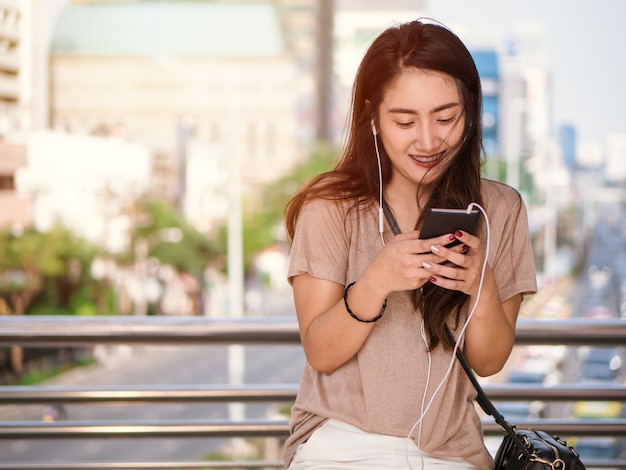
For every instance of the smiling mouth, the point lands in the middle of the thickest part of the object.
(430, 159)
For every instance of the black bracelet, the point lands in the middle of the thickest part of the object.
(345, 301)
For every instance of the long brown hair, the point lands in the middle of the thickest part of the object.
(422, 45)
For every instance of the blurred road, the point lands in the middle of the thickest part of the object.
(152, 365)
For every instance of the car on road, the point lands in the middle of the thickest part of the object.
(597, 448)
(598, 409)
(535, 366)
(516, 411)
(600, 364)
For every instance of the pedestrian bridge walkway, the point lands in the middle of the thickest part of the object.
(32, 331)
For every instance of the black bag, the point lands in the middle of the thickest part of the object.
(523, 449)
(536, 450)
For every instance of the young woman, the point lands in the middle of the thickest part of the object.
(380, 387)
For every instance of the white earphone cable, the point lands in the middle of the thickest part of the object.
(472, 205)
(461, 333)
(381, 223)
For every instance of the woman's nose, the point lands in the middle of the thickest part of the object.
(425, 138)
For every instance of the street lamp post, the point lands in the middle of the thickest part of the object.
(236, 352)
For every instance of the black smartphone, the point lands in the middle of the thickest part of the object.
(441, 221)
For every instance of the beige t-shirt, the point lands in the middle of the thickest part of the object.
(380, 389)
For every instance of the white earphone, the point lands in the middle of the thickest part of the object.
(381, 216)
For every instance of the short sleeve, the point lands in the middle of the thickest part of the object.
(320, 244)
(512, 262)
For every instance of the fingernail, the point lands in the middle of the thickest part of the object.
(427, 265)
(458, 233)
(432, 279)
(451, 237)
(465, 248)
(434, 248)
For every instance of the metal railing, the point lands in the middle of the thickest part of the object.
(35, 331)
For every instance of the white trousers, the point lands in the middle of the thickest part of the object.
(339, 446)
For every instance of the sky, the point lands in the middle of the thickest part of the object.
(584, 40)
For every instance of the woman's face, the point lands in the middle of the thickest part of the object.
(421, 124)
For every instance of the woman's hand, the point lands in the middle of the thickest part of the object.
(462, 264)
(403, 263)
(493, 322)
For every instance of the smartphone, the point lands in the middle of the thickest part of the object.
(441, 221)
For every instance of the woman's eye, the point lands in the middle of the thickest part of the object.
(446, 121)
(404, 125)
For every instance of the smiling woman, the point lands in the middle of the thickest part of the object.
(374, 301)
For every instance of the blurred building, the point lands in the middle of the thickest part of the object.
(615, 171)
(198, 83)
(86, 183)
(513, 138)
(10, 41)
(12, 154)
(517, 102)
(567, 144)
(24, 39)
(487, 64)
(15, 210)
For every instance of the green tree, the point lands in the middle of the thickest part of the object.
(40, 271)
(195, 249)
(68, 287)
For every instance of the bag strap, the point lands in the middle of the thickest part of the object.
(486, 404)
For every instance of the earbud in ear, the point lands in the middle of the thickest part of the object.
(374, 128)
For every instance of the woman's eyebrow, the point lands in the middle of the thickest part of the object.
(443, 107)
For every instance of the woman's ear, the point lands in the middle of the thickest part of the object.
(368, 107)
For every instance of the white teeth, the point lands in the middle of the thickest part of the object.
(428, 159)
